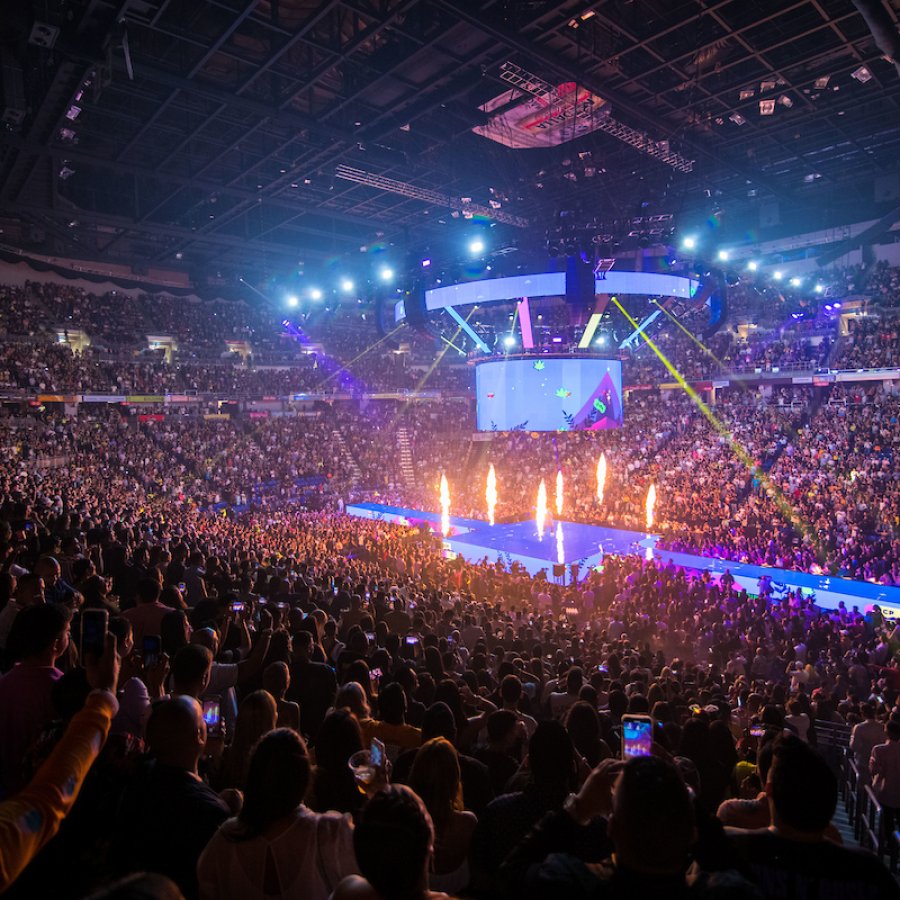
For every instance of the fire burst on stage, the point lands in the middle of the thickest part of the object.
(651, 503)
(559, 492)
(601, 477)
(490, 493)
(541, 511)
(445, 506)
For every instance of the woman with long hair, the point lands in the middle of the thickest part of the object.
(583, 725)
(333, 785)
(435, 777)
(257, 716)
(276, 846)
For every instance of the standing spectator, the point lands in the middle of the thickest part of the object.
(865, 736)
(169, 813)
(435, 777)
(147, 616)
(41, 636)
(257, 716)
(394, 843)
(276, 846)
(884, 766)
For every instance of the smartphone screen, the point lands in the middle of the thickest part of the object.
(757, 731)
(212, 716)
(412, 640)
(376, 753)
(637, 736)
(94, 623)
(151, 648)
(237, 607)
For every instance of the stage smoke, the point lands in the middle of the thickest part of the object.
(559, 493)
(560, 550)
(651, 503)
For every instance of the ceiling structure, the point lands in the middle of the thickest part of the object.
(208, 133)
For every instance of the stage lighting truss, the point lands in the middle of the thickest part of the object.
(459, 204)
(532, 84)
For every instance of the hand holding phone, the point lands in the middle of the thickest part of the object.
(376, 753)
(94, 625)
(637, 736)
(212, 715)
(151, 650)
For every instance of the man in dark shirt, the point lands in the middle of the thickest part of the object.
(169, 813)
(792, 859)
(313, 686)
(496, 754)
(506, 821)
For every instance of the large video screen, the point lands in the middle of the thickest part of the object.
(548, 394)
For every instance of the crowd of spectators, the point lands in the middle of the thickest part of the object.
(206, 751)
(257, 639)
(336, 351)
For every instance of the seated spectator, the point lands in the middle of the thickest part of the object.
(276, 846)
(751, 813)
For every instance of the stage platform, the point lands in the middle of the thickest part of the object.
(475, 540)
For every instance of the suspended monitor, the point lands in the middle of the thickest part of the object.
(547, 393)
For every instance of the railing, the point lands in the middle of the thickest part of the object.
(865, 812)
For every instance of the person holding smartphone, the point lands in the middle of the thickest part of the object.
(39, 636)
(147, 616)
(51, 793)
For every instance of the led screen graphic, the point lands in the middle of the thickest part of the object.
(548, 394)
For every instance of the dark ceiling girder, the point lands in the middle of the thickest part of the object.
(175, 232)
(347, 137)
(226, 34)
(563, 68)
(212, 187)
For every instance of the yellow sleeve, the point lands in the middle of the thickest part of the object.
(33, 816)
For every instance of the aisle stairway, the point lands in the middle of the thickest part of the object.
(407, 470)
(347, 458)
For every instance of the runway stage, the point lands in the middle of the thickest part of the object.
(475, 540)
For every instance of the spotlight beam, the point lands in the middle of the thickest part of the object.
(737, 448)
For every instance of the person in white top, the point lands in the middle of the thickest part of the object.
(865, 736)
(798, 720)
(276, 846)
